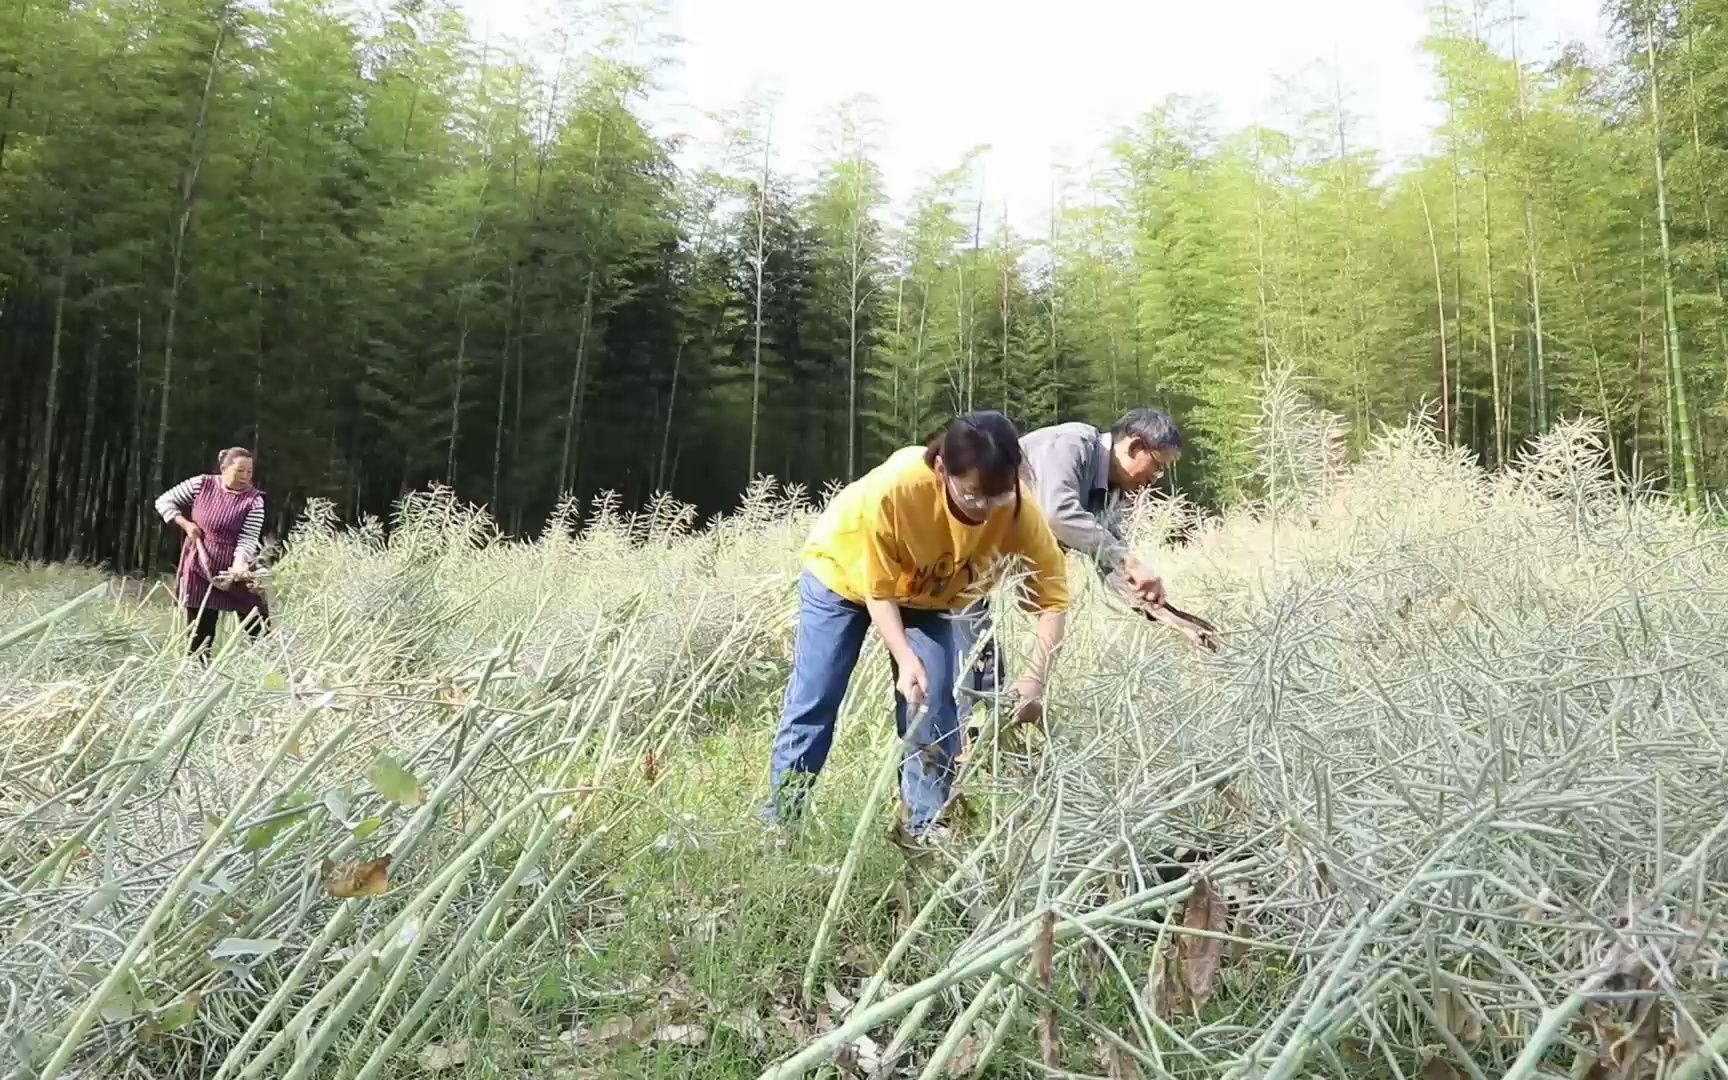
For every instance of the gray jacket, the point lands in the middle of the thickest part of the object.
(1068, 467)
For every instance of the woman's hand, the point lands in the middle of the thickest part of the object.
(190, 528)
(914, 682)
(1029, 691)
(1029, 701)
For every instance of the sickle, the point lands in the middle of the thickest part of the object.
(1192, 627)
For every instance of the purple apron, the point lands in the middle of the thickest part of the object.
(221, 515)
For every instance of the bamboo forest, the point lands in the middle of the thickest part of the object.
(389, 253)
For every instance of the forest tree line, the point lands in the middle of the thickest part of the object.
(386, 253)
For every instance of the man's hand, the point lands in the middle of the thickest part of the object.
(913, 684)
(1143, 585)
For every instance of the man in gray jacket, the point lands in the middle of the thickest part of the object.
(1078, 473)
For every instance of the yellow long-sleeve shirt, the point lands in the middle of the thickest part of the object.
(890, 536)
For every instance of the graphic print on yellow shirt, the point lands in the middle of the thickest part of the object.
(890, 536)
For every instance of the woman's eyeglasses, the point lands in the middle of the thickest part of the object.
(977, 503)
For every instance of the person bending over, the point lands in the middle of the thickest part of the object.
(1079, 474)
(901, 549)
(222, 515)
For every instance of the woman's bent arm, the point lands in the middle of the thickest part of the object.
(913, 684)
(177, 500)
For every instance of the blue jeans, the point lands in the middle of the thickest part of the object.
(831, 632)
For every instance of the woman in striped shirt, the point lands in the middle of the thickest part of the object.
(222, 516)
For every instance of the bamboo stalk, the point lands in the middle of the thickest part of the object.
(886, 772)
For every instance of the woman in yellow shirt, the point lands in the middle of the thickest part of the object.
(902, 548)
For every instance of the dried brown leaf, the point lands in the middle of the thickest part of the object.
(869, 1054)
(966, 1055)
(505, 1011)
(613, 1029)
(859, 959)
(904, 912)
(1043, 965)
(1354, 1054)
(681, 1034)
(1117, 1063)
(1199, 957)
(792, 1023)
(1638, 1054)
(1458, 1014)
(437, 1057)
(824, 1020)
(746, 1025)
(370, 877)
(1164, 990)
(1438, 1068)
(1044, 951)
(840, 1003)
(1049, 1039)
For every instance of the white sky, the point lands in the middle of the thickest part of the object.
(1044, 81)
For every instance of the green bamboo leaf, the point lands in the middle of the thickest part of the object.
(179, 1014)
(231, 947)
(262, 836)
(275, 680)
(124, 1001)
(367, 828)
(100, 900)
(391, 780)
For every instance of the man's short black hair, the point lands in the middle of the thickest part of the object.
(1151, 426)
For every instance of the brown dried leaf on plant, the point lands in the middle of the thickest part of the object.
(437, 1057)
(680, 1034)
(1438, 1068)
(1044, 969)
(367, 877)
(858, 959)
(840, 1003)
(1455, 1010)
(746, 1025)
(614, 1029)
(1164, 989)
(1199, 957)
(966, 1056)
(860, 1057)
(904, 910)
(1117, 1063)
(1634, 1050)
